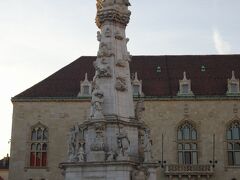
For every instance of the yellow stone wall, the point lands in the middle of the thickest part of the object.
(163, 117)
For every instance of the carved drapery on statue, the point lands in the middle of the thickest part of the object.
(147, 146)
(97, 103)
(139, 109)
(123, 145)
(76, 142)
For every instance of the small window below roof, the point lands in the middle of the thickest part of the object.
(185, 87)
(158, 69)
(233, 86)
(203, 68)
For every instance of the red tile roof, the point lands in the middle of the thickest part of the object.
(213, 81)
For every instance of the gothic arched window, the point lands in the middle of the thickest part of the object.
(233, 143)
(38, 146)
(187, 144)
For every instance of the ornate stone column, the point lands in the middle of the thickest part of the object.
(112, 75)
(115, 143)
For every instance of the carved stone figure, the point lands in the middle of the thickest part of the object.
(99, 36)
(127, 57)
(96, 103)
(102, 69)
(108, 32)
(104, 50)
(139, 109)
(147, 146)
(111, 156)
(81, 153)
(72, 145)
(123, 145)
(121, 84)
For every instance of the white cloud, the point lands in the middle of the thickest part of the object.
(221, 46)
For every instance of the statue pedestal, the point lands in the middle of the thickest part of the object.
(117, 170)
(120, 170)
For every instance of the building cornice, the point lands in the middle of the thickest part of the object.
(146, 98)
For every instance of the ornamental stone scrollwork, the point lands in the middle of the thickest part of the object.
(121, 84)
(147, 146)
(139, 109)
(105, 50)
(123, 143)
(98, 144)
(108, 14)
(97, 103)
(76, 151)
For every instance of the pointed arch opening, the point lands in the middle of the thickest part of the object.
(38, 146)
(187, 145)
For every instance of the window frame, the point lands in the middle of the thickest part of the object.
(230, 140)
(190, 141)
(43, 141)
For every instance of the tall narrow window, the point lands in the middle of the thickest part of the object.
(187, 144)
(38, 146)
(233, 144)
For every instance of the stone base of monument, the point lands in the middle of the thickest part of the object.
(98, 171)
(121, 170)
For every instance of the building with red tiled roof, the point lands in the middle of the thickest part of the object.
(208, 73)
(191, 104)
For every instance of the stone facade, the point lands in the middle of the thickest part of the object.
(209, 115)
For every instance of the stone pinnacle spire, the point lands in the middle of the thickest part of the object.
(112, 91)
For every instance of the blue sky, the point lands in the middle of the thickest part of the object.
(38, 37)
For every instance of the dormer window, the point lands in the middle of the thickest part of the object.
(136, 86)
(233, 86)
(135, 90)
(185, 87)
(203, 68)
(86, 90)
(85, 87)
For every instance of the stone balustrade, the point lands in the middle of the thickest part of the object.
(189, 170)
